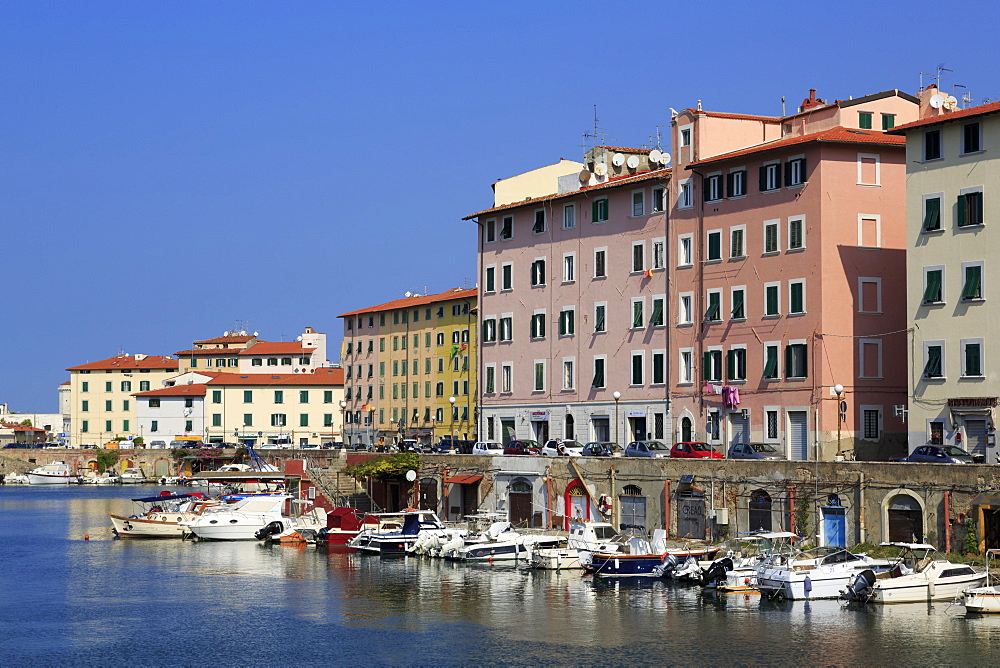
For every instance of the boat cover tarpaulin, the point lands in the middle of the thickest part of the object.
(169, 497)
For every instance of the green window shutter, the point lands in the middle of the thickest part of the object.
(771, 363)
(730, 364)
(932, 214)
(657, 317)
(972, 360)
(729, 184)
(714, 246)
(795, 298)
(637, 314)
(599, 324)
(788, 361)
(962, 213)
(777, 176)
(888, 121)
(933, 367)
(762, 179)
(737, 304)
(706, 366)
(788, 171)
(713, 311)
(932, 293)
(973, 282)
(771, 307)
(865, 120)
(534, 327)
(598, 374)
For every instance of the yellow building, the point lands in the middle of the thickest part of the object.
(102, 406)
(410, 369)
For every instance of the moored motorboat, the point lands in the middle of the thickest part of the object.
(986, 599)
(633, 556)
(240, 520)
(132, 475)
(414, 523)
(56, 473)
(819, 573)
(916, 576)
(160, 516)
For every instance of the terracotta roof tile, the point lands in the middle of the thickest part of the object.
(326, 376)
(739, 117)
(834, 135)
(276, 348)
(197, 390)
(610, 183)
(409, 302)
(233, 338)
(129, 362)
(971, 112)
(13, 426)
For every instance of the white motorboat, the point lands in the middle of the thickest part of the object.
(240, 520)
(585, 537)
(820, 573)
(414, 524)
(915, 577)
(984, 600)
(160, 516)
(508, 545)
(94, 478)
(56, 473)
(735, 571)
(132, 476)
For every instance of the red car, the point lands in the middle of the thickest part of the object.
(524, 447)
(694, 450)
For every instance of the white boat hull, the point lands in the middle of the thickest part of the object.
(982, 600)
(50, 479)
(916, 592)
(555, 559)
(139, 527)
(810, 584)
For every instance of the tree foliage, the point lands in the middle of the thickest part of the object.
(105, 459)
(384, 466)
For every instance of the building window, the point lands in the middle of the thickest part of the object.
(489, 330)
(659, 367)
(638, 362)
(796, 297)
(279, 396)
(685, 195)
(972, 138)
(770, 177)
(490, 279)
(796, 233)
(771, 361)
(507, 277)
(738, 311)
(567, 321)
(600, 318)
(685, 309)
(659, 197)
(599, 210)
(772, 299)
(736, 364)
(539, 226)
(714, 245)
(933, 285)
(278, 419)
(685, 251)
(771, 240)
(714, 311)
(795, 172)
(507, 327)
(711, 365)
(685, 366)
(934, 359)
(932, 145)
(970, 208)
(865, 120)
(771, 425)
(85, 405)
(600, 263)
(216, 419)
(888, 121)
(737, 247)
(932, 213)
(537, 325)
(713, 188)
(569, 268)
(599, 377)
(216, 396)
(303, 396)
(539, 385)
(490, 382)
(154, 425)
(656, 316)
(638, 203)
(491, 231)
(638, 256)
(303, 419)
(796, 362)
(569, 216)
(638, 319)
(736, 183)
(507, 228)
(568, 375)
(972, 358)
(659, 253)
(143, 386)
(85, 426)
(685, 134)
(506, 376)
(972, 285)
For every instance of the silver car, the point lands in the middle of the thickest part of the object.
(754, 451)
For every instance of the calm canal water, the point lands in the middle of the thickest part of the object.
(117, 602)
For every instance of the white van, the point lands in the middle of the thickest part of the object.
(487, 448)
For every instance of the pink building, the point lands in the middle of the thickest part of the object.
(572, 289)
(788, 277)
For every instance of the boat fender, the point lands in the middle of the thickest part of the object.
(808, 584)
(604, 504)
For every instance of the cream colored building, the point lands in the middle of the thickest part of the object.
(535, 182)
(102, 405)
(952, 237)
(240, 352)
(288, 409)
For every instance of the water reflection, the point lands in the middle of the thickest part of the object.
(122, 602)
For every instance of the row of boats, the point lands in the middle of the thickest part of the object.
(60, 473)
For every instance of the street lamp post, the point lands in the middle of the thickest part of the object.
(617, 395)
(343, 419)
(838, 389)
(452, 400)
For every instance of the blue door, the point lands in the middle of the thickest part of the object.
(835, 526)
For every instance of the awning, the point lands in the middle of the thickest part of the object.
(463, 479)
(987, 499)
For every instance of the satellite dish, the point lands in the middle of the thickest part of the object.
(407, 293)
(226, 333)
(298, 338)
(411, 475)
(655, 155)
(633, 161)
(584, 177)
(664, 158)
(937, 100)
(618, 160)
(601, 168)
(255, 333)
(950, 103)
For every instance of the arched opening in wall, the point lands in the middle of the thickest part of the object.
(161, 467)
(906, 519)
(520, 508)
(577, 502)
(686, 429)
(428, 494)
(570, 428)
(760, 510)
(632, 506)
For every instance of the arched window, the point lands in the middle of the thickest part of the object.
(570, 427)
(520, 487)
(632, 490)
(686, 434)
(520, 507)
(760, 510)
(906, 519)
(577, 502)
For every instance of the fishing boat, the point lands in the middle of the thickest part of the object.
(916, 576)
(56, 473)
(986, 599)
(160, 516)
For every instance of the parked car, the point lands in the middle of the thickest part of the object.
(358, 446)
(487, 448)
(157, 445)
(308, 446)
(460, 447)
(601, 449)
(940, 454)
(558, 447)
(694, 450)
(524, 447)
(655, 449)
(754, 451)
(408, 445)
(332, 445)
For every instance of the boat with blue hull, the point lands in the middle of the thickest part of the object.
(395, 543)
(632, 555)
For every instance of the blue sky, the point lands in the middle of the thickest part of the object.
(170, 169)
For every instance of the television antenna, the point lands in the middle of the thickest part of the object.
(598, 137)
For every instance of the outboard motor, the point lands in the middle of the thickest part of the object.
(670, 562)
(271, 529)
(716, 573)
(861, 588)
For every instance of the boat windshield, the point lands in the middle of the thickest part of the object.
(605, 533)
(840, 557)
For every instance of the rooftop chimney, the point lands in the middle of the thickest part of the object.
(811, 101)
